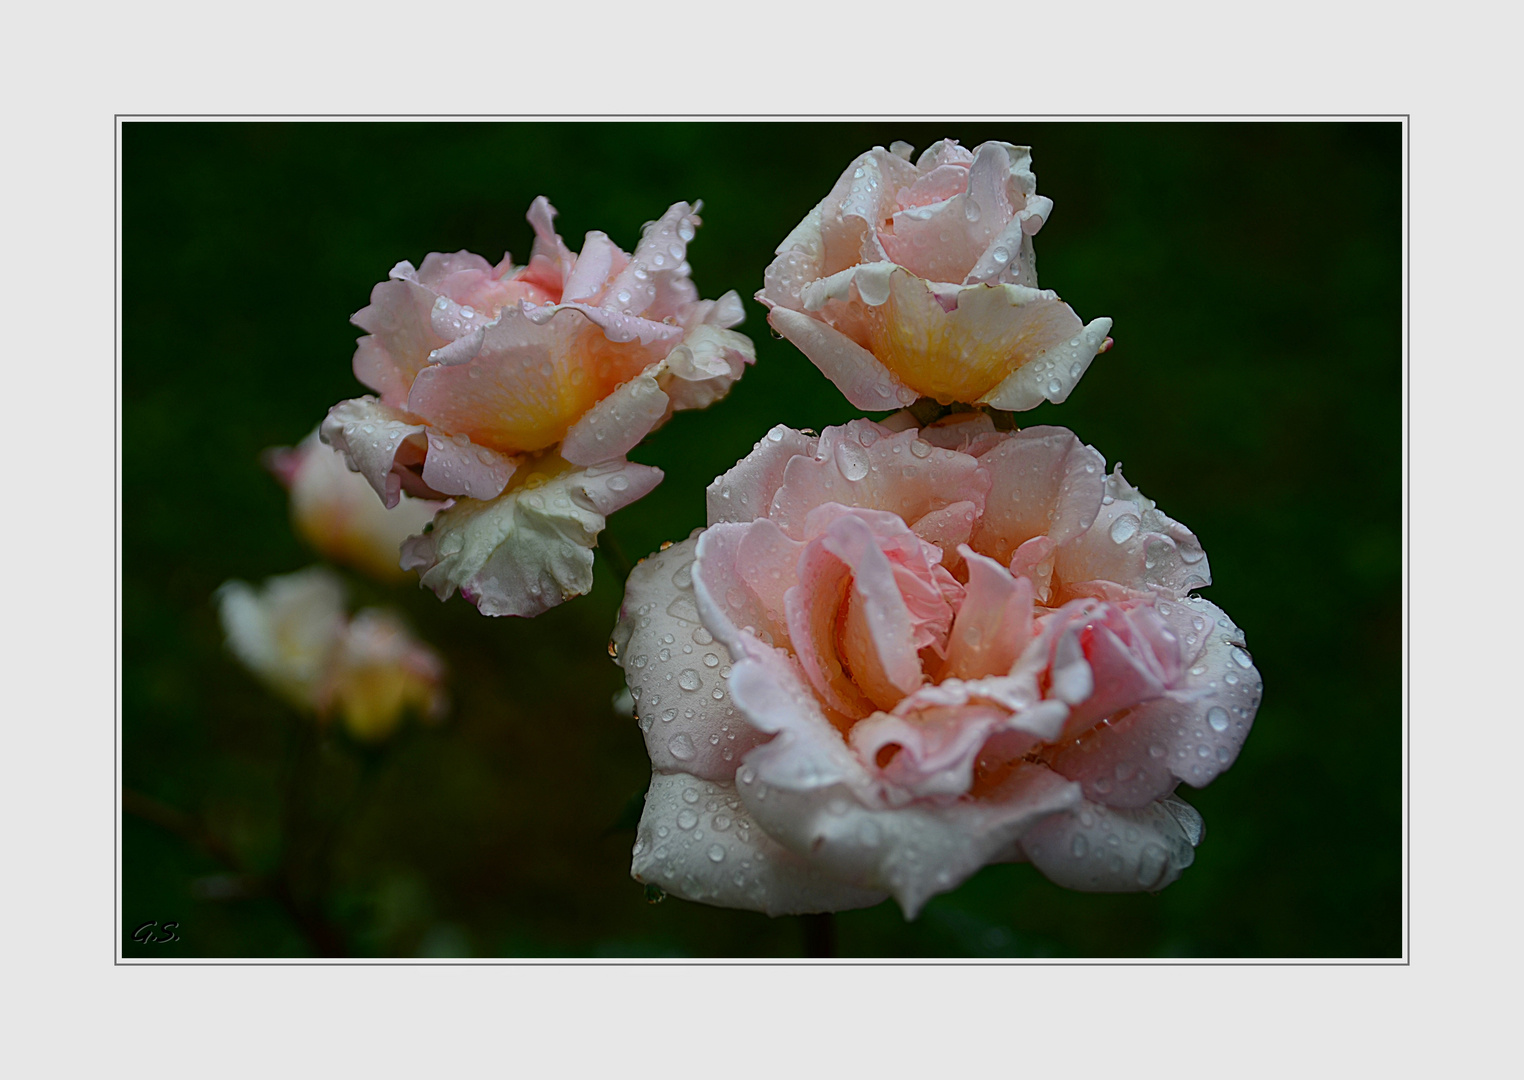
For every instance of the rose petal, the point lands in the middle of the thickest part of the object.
(530, 381)
(400, 337)
(915, 851)
(1043, 482)
(655, 283)
(373, 437)
(865, 465)
(614, 426)
(672, 664)
(335, 510)
(943, 241)
(1100, 849)
(530, 548)
(1132, 544)
(862, 379)
(456, 466)
(994, 623)
(746, 490)
(1052, 366)
(286, 630)
(1193, 733)
(697, 841)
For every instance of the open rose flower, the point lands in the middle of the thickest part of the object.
(336, 512)
(896, 655)
(294, 635)
(489, 374)
(920, 280)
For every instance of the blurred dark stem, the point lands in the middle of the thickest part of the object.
(321, 935)
(819, 935)
(301, 879)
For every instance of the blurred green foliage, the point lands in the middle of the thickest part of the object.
(1254, 275)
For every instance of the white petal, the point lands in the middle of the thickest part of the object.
(673, 666)
(1099, 849)
(698, 842)
(531, 548)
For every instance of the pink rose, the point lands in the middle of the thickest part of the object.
(336, 512)
(488, 374)
(920, 280)
(292, 633)
(895, 656)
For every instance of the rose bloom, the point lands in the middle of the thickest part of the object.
(913, 280)
(896, 655)
(368, 671)
(336, 512)
(496, 380)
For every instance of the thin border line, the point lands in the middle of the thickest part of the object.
(1406, 960)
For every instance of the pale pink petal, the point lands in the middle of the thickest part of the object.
(944, 152)
(1033, 560)
(942, 182)
(814, 608)
(956, 431)
(468, 281)
(401, 337)
(655, 283)
(799, 261)
(531, 548)
(381, 443)
(994, 623)
(1133, 655)
(862, 379)
(702, 368)
(734, 580)
(697, 841)
(613, 427)
(1010, 259)
(865, 465)
(1192, 733)
(456, 466)
(1059, 355)
(947, 528)
(672, 664)
(933, 754)
(1096, 848)
(1132, 544)
(529, 382)
(550, 260)
(943, 241)
(862, 197)
(593, 269)
(914, 851)
(1043, 482)
(746, 490)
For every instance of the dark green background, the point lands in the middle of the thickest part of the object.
(1253, 272)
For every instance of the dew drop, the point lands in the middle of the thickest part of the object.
(681, 747)
(716, 853)
(1124, 528)
(686, 818)
(689, 679)
(852, 460)
(1217, 716)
